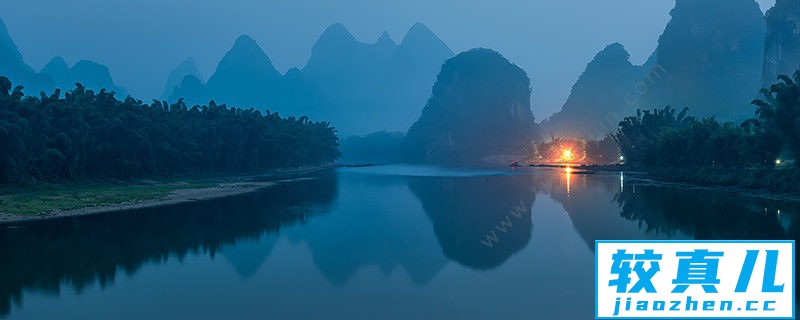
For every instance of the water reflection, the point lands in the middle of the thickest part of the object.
(406, 223)
(589, 200)
(82, 251)
(376, 222)
(480, 221)
(706, 214)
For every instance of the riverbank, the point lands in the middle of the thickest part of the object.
(768, 183)
(69, 200)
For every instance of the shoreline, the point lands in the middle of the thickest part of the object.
(755, 193)
(223, 187)
(641, 177)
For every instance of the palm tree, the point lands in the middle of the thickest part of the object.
(780, 111)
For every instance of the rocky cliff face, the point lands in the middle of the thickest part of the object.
(480, 107)
(602, 96)
(711, 55)
(782, 50)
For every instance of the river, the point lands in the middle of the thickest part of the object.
(386, 242)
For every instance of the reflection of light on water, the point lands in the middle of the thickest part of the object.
(568, 174)
(621, 182)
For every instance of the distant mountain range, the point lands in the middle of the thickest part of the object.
(90, 74)
(360, 87)
(56, 74)
(713, 57)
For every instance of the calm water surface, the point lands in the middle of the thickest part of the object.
(382, 242)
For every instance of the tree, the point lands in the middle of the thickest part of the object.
(780, 111)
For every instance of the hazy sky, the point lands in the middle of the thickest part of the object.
(142, 41)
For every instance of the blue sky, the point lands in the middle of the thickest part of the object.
(142, 41)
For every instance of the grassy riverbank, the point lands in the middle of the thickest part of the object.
(48, 198)
(49, 201)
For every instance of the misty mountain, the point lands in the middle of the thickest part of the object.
(14, 67)
(58, 69)
(350, 76)
(345, 68)
(92, 75)
(245, 76)
(479, 108)
(187, 68)
(411, 74)
(192, 90)
(602, 96)
(56, 74)
(709, 59)
(360, 87)
(782, 52)
(378, 86)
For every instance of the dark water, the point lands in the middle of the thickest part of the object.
(382, 243)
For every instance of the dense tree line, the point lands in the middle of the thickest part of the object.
(703, 150)
(667, 138)
(664, 138)
(94, 135)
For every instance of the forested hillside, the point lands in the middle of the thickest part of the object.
(85, 135)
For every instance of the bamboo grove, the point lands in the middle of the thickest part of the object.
(88, 135)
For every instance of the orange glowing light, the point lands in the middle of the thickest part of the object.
(567, 155)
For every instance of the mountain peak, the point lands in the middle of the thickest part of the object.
(90, 71)
(615, 52)
(187, 68)
(419, 30)
(58, 69)
(56, 63)
(337, 31)
(244, 69)
(5, 40)
(419, 36)
(385, 39)
(717, 45)
(245, 43)
(246, 53)
(476, 88)
(334, 36)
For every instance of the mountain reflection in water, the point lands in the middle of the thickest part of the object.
(383, 236)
